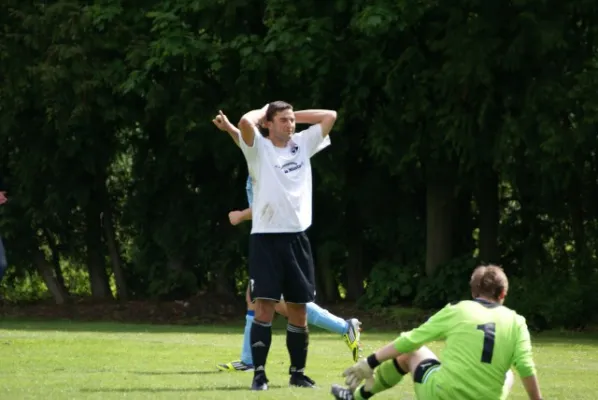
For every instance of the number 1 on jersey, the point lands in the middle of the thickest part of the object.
(489, 329)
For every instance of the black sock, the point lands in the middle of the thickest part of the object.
(297, 343)
(260, 339)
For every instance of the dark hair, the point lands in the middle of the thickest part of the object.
(275, 107)
(264, 131)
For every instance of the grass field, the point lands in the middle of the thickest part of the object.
(68, 360)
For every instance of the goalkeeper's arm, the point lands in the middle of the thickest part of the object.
(532, 387)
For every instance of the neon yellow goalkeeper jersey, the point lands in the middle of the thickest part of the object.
(483, 341)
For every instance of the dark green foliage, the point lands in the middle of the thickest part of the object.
(466, 134)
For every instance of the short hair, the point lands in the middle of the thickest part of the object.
(263, 131)
(275, 107)
(488, 281)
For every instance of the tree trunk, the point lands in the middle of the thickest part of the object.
(355, 275)
(355, 270)
(98, 277)
(439, 225)
(463, 225)
(46, 270)
(175, 264)
(115, 255)
(327, 290)
(225, 283)
(487, 198)
(55, 258)
(583, 265)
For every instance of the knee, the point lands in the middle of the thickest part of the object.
(415, 358)
(403, 361)
(264, 310)
(297, 314)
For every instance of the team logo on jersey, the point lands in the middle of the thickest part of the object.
(290, 167)
(294, 147)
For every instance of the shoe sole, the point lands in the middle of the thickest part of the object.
(234, 369)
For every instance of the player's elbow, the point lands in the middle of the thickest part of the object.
(247, 129)
(328, 121)
(245, 123)
(330, 116)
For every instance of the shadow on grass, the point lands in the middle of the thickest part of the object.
(210, 372)
(175, 390)
(236, 328)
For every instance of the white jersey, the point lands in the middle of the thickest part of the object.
(282, 190)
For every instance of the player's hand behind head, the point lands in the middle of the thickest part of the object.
(3, 198)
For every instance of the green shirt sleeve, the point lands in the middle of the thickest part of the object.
(433, 329)
(522, 359)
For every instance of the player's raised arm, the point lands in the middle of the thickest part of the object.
(249, 122)
(222, 123)
(326, 119)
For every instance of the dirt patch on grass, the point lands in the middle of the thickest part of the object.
(201, 309)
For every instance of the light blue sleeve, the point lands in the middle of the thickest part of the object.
(249, 190)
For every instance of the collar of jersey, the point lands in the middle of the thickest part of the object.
(486, 303)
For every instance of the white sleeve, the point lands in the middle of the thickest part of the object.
(312, 139)
(251, 152)
(325, 143)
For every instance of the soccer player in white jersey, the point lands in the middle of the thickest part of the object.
(280, 257)
(316, 315)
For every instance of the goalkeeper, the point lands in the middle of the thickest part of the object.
(484, 339)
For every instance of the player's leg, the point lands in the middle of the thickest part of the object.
(246, 361)
(261, 339)
(419, 363)
(281, 308)
(265, 289)
(349, 329)
(298, 290)
(422, 364)
(246, 351)
(321, 318)
(316, 315)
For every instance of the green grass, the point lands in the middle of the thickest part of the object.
(67, 360)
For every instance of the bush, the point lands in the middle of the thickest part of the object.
(390, 284)
(451, 283)
(551, 301)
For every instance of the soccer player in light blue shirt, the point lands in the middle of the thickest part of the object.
(316, 315)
